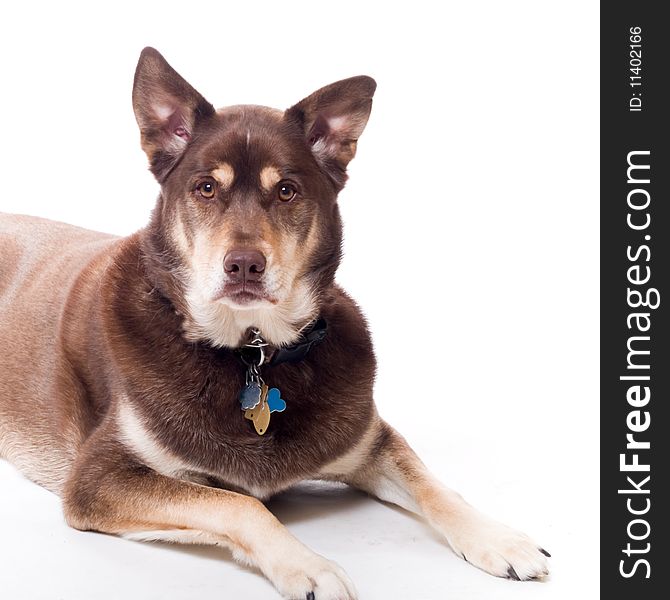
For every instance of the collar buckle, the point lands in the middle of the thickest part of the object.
(258, 343)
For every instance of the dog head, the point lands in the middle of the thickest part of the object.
(246, 231)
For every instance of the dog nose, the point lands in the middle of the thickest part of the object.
(244, 265)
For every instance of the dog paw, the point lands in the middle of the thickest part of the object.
(498, 549)
(313, 579)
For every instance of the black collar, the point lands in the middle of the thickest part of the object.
(311, 336)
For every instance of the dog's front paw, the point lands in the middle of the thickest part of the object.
(313, 578)
(498, 549)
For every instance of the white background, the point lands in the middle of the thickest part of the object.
(471, 243)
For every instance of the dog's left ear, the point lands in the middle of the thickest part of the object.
(332, 119)
(167, 110)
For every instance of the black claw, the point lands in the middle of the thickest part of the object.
(511, 574)
(465, 558)
(544, 552)
(310, 596)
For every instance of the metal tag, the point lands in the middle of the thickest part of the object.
(250, 395)
(260, 415)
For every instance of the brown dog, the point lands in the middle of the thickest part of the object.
(123, 362)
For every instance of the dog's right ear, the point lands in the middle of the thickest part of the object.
(167, 110)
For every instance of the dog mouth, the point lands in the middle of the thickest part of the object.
(244, 294)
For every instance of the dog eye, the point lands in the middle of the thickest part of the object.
(206, 189)
(286, 192)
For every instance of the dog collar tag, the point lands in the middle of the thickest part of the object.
(275, 402)
(256, 400)
(260, 415)
(250, 395)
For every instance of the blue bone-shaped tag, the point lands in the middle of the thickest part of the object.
(275, 402)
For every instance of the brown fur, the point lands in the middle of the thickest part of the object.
(115, 393)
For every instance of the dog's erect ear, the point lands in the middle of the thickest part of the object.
(333, 119)
(167, 110)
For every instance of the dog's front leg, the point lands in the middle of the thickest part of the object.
(111, 492)
(386, 467)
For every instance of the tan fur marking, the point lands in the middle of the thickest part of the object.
(179, 236)
(224, 174)
(270, 177)
(310, 243)
(350, 462)
(135, 436)
(395, 474)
